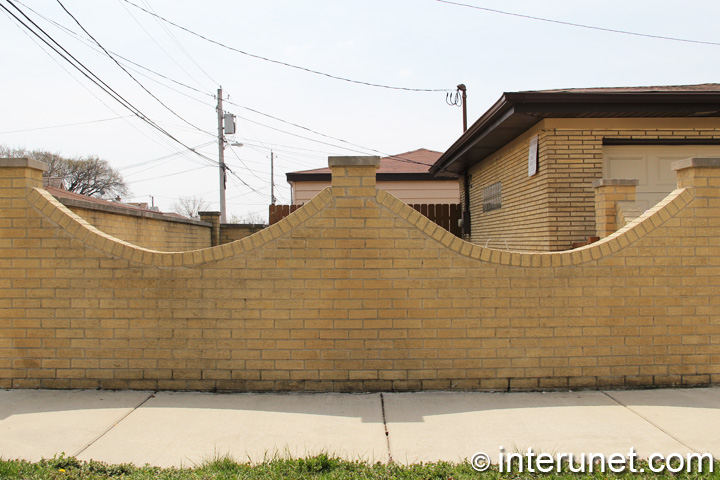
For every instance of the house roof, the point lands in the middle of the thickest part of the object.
(72, 199)
(412, 165)
(515, 112)
(60, 193)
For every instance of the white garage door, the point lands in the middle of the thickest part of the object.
(651, 166)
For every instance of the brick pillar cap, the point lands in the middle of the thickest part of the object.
(615, 182)
(695, 162)
(358, 161)
(23, 163)
(209, 213)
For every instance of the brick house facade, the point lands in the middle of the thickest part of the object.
(581, 135)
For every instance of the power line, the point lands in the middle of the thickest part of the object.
(174, 39)
(86, 72)
(146, 162)
(294, 125)
(407, 160)
(243, 164)
(171, 174)
(254, 110)
(128, 73)
(84, 86)
(579, 25)
(158, 44)
(395, 157)
(67, 125)
(67, 30)
(259, 57)
(92, 46)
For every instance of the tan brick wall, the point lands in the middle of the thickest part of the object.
(164, 235)
(554, 208)
(356, 291)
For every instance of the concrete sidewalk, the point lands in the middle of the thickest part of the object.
(183, 429)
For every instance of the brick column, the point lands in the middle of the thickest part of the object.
(214, 218)
(608, 192)
(20, 173)
(702, 174)
(353, 176)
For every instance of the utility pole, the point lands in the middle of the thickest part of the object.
(221, 157)
(272, 178)
(463, 89)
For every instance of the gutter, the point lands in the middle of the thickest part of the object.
(446, 159)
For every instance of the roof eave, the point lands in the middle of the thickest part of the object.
(521, 110)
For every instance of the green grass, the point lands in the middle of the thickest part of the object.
(317, 467)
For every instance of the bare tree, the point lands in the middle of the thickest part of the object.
(190, 206)
(255, 218)
(90, 176)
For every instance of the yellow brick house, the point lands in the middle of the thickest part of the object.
(527, 165)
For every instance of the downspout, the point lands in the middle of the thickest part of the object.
(466, 175)
(466, 206)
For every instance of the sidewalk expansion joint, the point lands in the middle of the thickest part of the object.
(115, 423)
(651, 422)
(387, 433)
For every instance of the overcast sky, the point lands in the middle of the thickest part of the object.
(418, 44)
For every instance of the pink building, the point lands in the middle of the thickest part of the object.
(405, 175)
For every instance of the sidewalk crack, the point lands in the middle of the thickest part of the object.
(387, 433)
(651, 422)
(123, 417)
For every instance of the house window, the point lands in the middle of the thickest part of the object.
(492, 197)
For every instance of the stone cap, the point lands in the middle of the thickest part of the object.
(357, 161)
(695, 162)
(616, 182)
(23, 163)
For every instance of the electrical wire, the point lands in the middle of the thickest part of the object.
(68, 124)
(249, 109)
(579, 25)
(90, 75)
(259, 57)
(170, 174)
(243, 164)
(179, 45)
(166, 143)
(146, 162)
(125, 59)
(366, 149)
(128, 73)
(75, 34)
(158, 44)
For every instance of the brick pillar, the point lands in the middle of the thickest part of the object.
(353, 176)
(608, 192)
(701, 174)
(214, 218)
(20, 173)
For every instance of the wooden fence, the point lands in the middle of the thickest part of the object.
(443, 214)
(278, 212)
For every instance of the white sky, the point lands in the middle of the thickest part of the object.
(415, 44)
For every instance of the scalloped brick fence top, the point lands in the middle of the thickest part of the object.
(356, 291)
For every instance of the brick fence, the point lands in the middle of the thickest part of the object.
(356, 291)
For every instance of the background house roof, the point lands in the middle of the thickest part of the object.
(414, 165)
(72, 199)
(703, 87)
(61, 193)
(515, 112)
